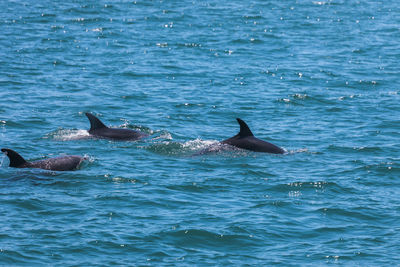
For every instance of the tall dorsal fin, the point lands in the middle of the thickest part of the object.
(16, 159)
(95, 123)
(244, 129)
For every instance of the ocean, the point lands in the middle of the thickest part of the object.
(317, 78)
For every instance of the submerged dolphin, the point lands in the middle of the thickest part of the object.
(66, 163)
(246, 140)
(99, 130)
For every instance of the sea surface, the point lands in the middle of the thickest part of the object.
(317, 78)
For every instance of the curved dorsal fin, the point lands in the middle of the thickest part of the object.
(16, 159)
(244, 129)
(95, 123)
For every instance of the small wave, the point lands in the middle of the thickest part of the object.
(189, 44)
(319, 3)
(300, 99)
(358, 213)
(313, 185)
(358, 149)
(19, 258)
(203, 238)
(253, 17)
(296, 151)
(298, 188)
(189, 105)
(383, 169)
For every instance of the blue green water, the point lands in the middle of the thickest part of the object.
(318, 78)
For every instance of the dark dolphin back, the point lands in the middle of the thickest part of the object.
(16, 160)
(95, 123)
(99, 130)
(246, 140)
(65, 163)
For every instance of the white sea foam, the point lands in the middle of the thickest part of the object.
(198, 144)
(66, 135)
(163, 135)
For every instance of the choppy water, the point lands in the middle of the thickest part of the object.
(318, 78)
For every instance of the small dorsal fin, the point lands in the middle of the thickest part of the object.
(16, 159)
(95, 123)
(244, 129)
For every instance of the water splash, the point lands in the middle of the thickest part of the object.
(2, 160)
(68, 134)
(180, 149)
(198, 144)
(162, 135)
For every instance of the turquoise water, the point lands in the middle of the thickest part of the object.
(318, 78)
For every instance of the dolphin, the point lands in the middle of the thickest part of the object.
(65, 163)
(246, 140)
(99, 130)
